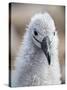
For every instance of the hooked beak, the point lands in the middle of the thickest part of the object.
(44, 46)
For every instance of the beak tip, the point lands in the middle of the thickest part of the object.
(49, 63)
(48, 58)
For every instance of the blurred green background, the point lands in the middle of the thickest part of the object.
(20, 17)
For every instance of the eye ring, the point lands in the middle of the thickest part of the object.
(35, 32)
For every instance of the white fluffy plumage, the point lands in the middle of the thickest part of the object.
(32, 68)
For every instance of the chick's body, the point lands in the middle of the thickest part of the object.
(32, 67)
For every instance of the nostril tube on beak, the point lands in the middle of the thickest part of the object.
(45, 46)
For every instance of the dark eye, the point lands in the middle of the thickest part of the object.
(35, 32)
(54, 33)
